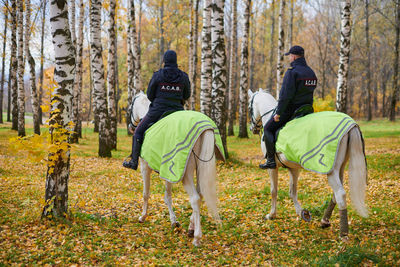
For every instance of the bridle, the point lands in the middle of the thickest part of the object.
(256, 124)
(134, 123)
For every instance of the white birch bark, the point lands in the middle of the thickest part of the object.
(99, 89)
(111, 85)
(21, 70)
(270, 82)
(232, 70)
(341, 91)
(14, 66)
(281, 47)
(244, 72)
(135, 51)
(42, 62)
(193, 51)
(56, 195)
(72, 14)
(76, 104)
(206, 60)
(3, 63)
(218, 113)
(395, 91)
(32, 69)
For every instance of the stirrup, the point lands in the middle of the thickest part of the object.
(131, 164)
(269, 164)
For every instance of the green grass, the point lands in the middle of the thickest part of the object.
(105, 202)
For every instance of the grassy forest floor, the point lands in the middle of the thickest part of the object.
(105, 202)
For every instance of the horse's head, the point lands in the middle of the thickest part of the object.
(261, 107)
(139, 107)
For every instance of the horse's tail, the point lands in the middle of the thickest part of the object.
(357, 171)
(206, 173)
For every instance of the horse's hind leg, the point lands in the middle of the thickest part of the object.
(294, 175)
(194, 198)
(146, 171)
(168, 201)
(273, 174)
(335, 179)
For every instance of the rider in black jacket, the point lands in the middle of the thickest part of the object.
(168, 89)
(297, 90)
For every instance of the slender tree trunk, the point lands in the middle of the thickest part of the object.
(99, 92)
(368, 63)
(140, 33)
(56, 195)
(383, 85)
(270, 83)
(161, 32)
(76, 103)
(395, 90)
(253, 37)
(232, 70)
(290, 34)
(42, 62)
(281, 47)
(32, 68)
(341, 91)
(111, 76)
(14, 66)
(3, 64)
(135, 51)
(72, 21)
(130, 65)
(193, 51)
(206, 60)
(21, 67)
(9, 92)
(218, 113)
(244, 66)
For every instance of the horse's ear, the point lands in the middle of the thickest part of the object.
(261, 90)
(250, 93)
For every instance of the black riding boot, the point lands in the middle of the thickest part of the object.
(134, 162)
(270, 145)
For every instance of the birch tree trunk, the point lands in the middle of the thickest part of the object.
(3, 63)
(290, 34)
(281, 47)
(206, 60)
(130, 64)
(161, 32)
(9, 89)
(56, 195)
(32, 69)
(42, 62)
(244, 67)
(21, 70)
(395, 90)
(232, 70)
(194, 23)
(76, 102)
(99, 90)
(218, 113)
(253, 36)
(72, 21)
(368, 63)
(111, 76)
(341, 90)
(270, 83)
(14, 66)
(135, 51)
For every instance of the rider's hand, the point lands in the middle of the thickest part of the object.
(276, 117)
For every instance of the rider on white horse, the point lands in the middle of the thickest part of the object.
(168, 89)
(296, 95)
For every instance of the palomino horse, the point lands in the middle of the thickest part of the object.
(205, 171)
(351, 148)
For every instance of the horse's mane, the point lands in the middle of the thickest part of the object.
(262, 93)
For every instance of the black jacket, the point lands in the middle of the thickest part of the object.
(168, 88)
(297, 89)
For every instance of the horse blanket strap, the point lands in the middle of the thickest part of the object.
(313, 140)
(168, 143)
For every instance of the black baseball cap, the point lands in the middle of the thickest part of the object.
(296, 50)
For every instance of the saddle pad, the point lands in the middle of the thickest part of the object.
(168, 143)
(313, 140)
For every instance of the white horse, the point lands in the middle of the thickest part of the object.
(351, 148)
(205, 171)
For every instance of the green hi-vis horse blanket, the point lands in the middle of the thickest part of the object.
(168, 143)
(313, 140)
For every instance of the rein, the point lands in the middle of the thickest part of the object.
(256, 123)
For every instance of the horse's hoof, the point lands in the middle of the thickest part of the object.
(191, 233)
(269, 217)
(306, 215)
(325, 223)
(196, 243)
(142, 219)
(344, 239)
(175, 225)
